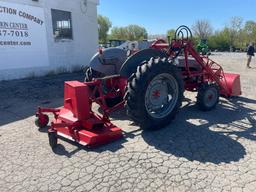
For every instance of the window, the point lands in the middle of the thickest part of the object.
(62, 24)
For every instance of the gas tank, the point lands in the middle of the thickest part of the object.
(109, 61)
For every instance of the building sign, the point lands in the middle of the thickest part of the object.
(23, 40)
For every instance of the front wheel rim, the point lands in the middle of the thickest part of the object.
(211, 97)
(161, 95)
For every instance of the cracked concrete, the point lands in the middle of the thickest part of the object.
(198, 151)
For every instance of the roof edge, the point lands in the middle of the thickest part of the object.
(97, 2)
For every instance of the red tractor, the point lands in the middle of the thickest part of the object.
(150, 84)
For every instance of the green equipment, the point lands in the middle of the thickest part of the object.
(203, 48)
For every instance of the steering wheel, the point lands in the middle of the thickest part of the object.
(183, 32)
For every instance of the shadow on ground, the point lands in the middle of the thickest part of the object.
(20, 98)
(195, 135)
(213, 138)
(112, 147)
(207, 136)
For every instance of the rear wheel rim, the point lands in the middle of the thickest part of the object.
(161, 95)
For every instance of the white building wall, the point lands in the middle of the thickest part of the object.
(63, 54)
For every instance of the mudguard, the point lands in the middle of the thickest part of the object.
(131, 64)
(109, 62)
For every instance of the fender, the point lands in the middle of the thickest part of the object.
(130, 65)
(109, 62)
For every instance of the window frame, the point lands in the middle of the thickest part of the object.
(55, 27)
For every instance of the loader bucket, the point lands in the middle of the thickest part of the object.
(231, 84)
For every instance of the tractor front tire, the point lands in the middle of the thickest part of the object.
(208, 96)
(154, 94)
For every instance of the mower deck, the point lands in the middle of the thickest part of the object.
(92, 138)
(76, 121)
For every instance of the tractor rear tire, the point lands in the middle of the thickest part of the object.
(154, 94)
(111, 102)
(90, 74)
(208, 96)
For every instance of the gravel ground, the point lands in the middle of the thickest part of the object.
(198, 151)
